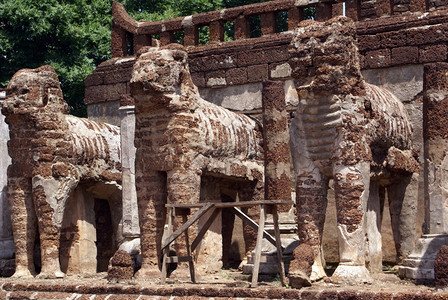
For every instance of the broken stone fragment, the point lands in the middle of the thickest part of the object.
(120, 269)
(441, 267)
(300, 267)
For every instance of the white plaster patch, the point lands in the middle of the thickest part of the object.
(215, 82)
(281, 71)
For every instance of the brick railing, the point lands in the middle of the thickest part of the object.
(128, 35)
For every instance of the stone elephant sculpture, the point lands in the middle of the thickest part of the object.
(52, 152)
(355, 133)
(181, 137)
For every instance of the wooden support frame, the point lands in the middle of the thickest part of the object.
(266, 206)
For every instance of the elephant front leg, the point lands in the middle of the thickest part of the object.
(23, 221)
(151, 200)
(311, 203)
(184, 187)
(351, 193)
(49, 231)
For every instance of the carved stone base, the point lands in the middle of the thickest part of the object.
(350, 274)
(420, 264)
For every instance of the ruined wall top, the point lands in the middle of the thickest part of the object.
(128, 35)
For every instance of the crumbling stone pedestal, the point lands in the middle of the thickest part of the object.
(420, 264)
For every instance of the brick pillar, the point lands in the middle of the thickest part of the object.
(323, 11)
(216, 32)
(435, 109)
(268, 23)
(276, 143)
(118, 44)
(295, 15)
(337, 9)
(191, 35)
(166, 37)
(242, 28)
(141, 40)
(352, 9)
(420, 264)
(130, 223)
(383, 8)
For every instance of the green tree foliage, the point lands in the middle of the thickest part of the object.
(74, 35)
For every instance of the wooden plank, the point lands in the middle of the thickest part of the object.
(165, 253)
(258, 247)
(187, 245)
(254, 225)
(204, 228)
(230, 204)
(281, 266)
(178, 259)
(185, 205)
(187, 224)
(252, 203)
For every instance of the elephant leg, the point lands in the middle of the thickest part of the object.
(23, 221)
(50, 196)
(351, 185)
(183, 186)
(311, 204)
(151, 200)
(402, 197)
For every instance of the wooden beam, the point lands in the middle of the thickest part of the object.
(254, 225)
(187, 224)
(281, 266)
(258, 247)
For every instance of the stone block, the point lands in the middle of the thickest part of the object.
(393, 39)
(262, 56)
(433, 53)
(236, 76)
(199, 79)
(257, 73)
(216, 78)
(404, 55)
(277, 71)
(378, 59)
(368, 42)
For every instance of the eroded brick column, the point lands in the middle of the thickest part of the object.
(268, 23)
(141, 40)
(435, 106)
(242, 29)
(216, 31)
(118, 42)
(276, 143)
(166, 38)
(323, 11)
(295, 16)
(352, 9)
